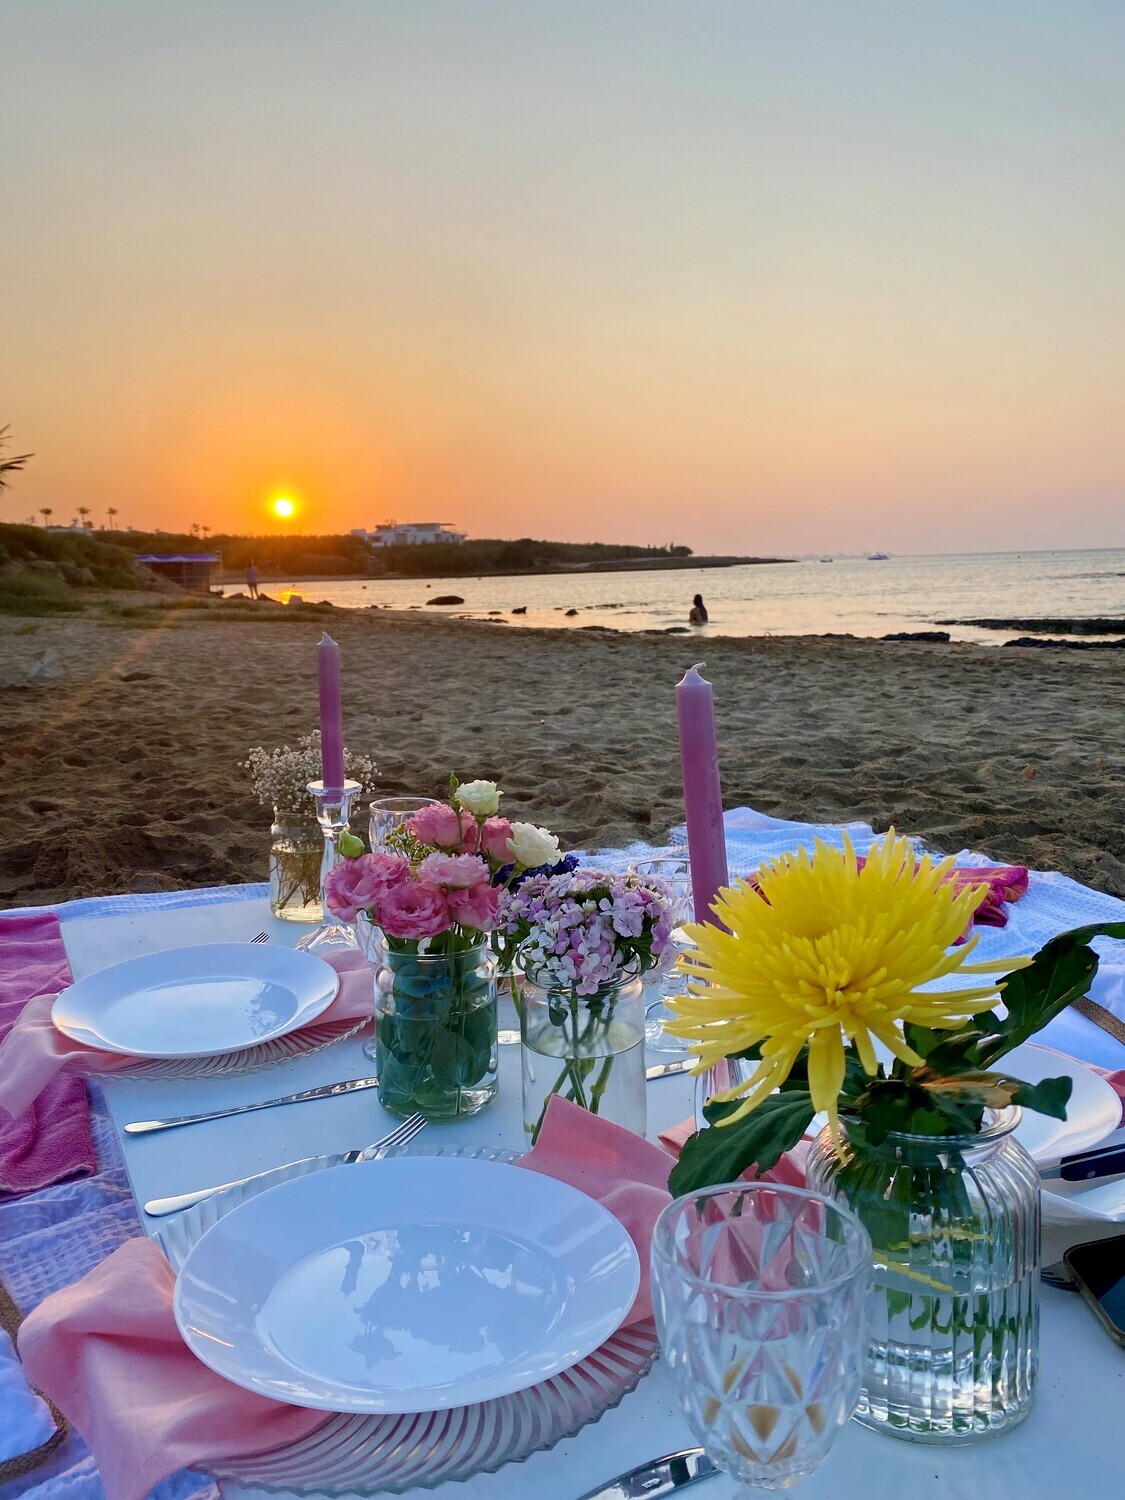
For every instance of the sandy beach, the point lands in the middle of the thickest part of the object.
(121, 746)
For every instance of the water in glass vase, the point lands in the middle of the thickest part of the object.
(588, 1049)
(954, 1313)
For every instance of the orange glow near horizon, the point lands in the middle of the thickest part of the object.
(283, 508)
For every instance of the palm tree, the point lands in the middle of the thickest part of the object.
(10, 465)
(111, 512)
(46, 512)
(84, 511)
(206, 530)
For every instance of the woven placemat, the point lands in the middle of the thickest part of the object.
(23, 1463)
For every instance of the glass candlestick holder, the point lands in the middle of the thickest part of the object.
(333, 806)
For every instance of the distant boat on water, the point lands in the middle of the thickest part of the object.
(878, 557)
(828, 559)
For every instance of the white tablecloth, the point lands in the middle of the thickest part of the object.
(1074, 1438)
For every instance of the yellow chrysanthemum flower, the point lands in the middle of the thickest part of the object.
(834, 954)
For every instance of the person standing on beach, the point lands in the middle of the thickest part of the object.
(698, 614)
(252, 579)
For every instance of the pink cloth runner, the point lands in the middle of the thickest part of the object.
(108, 1353)
(50, 1139)
(34, 1054)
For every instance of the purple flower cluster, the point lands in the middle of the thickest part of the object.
(579, 930)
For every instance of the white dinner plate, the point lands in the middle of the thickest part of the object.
(406, 1285)
(192, 1002)
(1093, 1111)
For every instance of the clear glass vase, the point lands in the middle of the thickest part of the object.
(954, 1319)
(296, 850)
(435, 1028)
(586, 1048)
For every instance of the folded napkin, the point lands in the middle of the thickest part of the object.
(107, 1351)
(624, 1172)
(34, 1053)
(51, 1139)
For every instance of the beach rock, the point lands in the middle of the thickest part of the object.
(571, 612)
(445, 599)
(676, 630)
(1094, 625)
(520, 609)
(935, 637)
(1039, 641)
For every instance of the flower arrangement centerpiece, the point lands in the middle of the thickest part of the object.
(846, 988)
(584, 938)
(280, 779)
(424, 909)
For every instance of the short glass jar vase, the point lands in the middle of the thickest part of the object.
(435, 1027)
(954, 1318)
(296, 850)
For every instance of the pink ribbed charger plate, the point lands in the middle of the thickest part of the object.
(353, 1455)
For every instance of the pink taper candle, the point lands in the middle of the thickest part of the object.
(331, 714)
(703, 793)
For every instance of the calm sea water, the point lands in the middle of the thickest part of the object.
(805, 598)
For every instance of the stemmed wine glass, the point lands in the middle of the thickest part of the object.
(760, 1293)
(675, 871)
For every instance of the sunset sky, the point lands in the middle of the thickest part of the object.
(749, 276)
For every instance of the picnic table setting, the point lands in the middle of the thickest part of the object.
(455, 1162)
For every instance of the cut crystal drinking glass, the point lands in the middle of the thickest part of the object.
(760, 1294)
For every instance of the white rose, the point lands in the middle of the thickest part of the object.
(531, 846)
(480, 799)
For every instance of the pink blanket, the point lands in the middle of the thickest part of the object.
(34, 1055)
(107, 1351)
(50, 1137)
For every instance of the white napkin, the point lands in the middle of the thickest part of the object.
(27, 1420)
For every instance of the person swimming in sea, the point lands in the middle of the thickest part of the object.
(698, 614)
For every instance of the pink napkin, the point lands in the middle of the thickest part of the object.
(34, 1053)
(624, 1172)
(108, 1354)
(51, 1140)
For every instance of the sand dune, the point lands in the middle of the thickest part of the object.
(121, 745)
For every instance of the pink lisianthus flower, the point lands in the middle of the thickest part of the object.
(454, 871)
(438, 825)
(495, 836)
(355, 885)
(478, 907)
(412, 909)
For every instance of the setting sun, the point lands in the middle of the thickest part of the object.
(283, 507)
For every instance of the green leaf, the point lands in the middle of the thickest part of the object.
(1062, 971)
(761, 1139)
(1048, 1097)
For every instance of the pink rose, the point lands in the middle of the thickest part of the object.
(438, 824)
(494, 837)
(477, 907)
(454, 871)
(354, 885)
(412, 909)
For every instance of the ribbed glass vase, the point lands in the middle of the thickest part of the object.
(954, 1320)
(296, 850)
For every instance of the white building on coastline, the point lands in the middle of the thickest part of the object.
(416, 534)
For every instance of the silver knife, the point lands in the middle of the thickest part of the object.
(663, 1476)
(668, 1069)
(325, 1091)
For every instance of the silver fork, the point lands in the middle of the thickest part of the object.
(156, 1208)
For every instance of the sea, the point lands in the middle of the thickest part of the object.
(844, 596)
